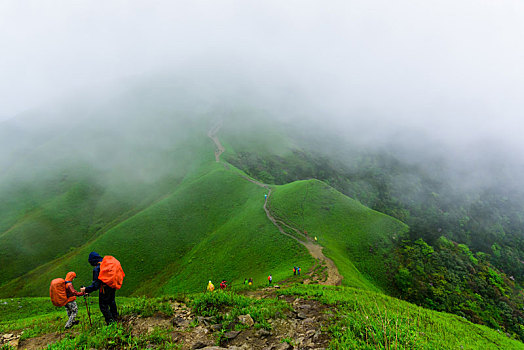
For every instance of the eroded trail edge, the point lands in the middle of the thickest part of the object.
(315, 250)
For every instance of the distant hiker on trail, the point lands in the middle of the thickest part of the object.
(294, 270)
(106, 284)
(210, 287)
(269, 279)
(250, 281)
(265, 197)
(223, 285)
(245, 281)
(298, 271)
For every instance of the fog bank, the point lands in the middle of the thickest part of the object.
(449, 72)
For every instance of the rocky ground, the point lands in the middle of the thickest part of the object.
(303, 327)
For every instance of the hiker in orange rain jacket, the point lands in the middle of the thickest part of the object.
(106, 295)
(71, 307)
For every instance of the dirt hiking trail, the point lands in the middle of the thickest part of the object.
(212, 134)
(315, 250)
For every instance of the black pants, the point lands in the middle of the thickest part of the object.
(107, 304)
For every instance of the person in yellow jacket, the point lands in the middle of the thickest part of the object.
(210, 287)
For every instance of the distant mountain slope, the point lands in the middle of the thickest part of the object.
(48, 231)
(359, 240)
(211, 227)
(48, 213)
(150, 192)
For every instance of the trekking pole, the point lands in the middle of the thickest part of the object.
(88, 314)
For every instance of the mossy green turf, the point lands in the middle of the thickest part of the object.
(355, 237)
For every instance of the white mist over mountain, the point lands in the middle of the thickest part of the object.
(449, 70)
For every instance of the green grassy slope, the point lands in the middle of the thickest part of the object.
(355, 237)
(75, 185)
(368, 320)
(41, 225)
(164, 208)
(212, 226)
(48, 231)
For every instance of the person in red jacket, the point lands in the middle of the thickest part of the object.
(223, 285)
(71, 307)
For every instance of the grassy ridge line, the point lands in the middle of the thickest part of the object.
(249, 247)
(57, 226)
(51, 265)
(247, 236)
(63, 233)
(39, 200)
(332, 277)
(163, 234)
(355, 237)
(211, 209)
(74, 261)
(316, 250)
(128, 234)
(68, 220)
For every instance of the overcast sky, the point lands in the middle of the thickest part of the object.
(455, 68)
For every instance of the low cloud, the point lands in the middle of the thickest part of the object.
(447, 72)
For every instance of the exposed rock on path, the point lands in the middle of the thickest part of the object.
(302, 328)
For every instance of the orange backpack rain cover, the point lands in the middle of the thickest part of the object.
(111, 273)
(57, 292)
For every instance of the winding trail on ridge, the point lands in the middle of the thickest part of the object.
(315, 250)
(212, 133)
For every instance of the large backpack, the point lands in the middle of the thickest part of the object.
(111, 272)
(58, 294)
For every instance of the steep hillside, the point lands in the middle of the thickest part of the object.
(359, 240)
(55, 208)
(173, 233)
(176, 215)
(211, 226)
